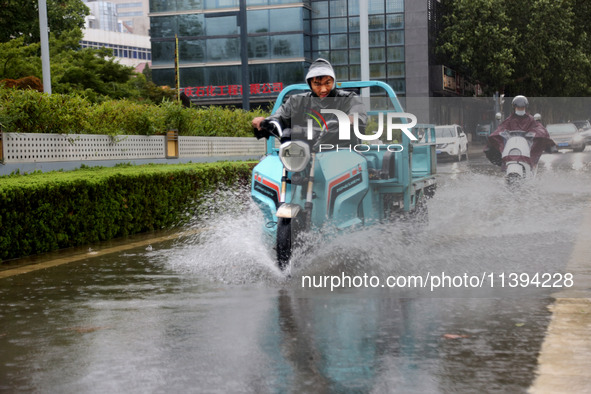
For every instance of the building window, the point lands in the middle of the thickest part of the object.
(377, 55)
(354, 40)
(376, 22)
(376, 38)
(320, 43)
(395, 37)
(377, 71)
(339, 57)
(221, 26)
(338, 25)
(258, 21)
(394, 6)
(213, 4)
(191, 25)
(320, 9)
(192, 51)
(354, 24)
(396, 54)
(354, 7)
(399, 85)
(338, 41)
(396, 70)
(163, 26)
(287, 45)
(223, 49)
(163, 52)
(286, 19)
(341, 73)
(395, 21)
(375, 6)
(129, 14)
(258, 47)
(338, 8)
(320, 26)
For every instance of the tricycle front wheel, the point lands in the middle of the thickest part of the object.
(284, 243)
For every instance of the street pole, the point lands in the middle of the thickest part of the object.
(44, 46)
(364, 43)
(244, 56)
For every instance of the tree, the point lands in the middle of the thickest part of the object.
(20, 18)
(552, 60)
(73, 70)
(532, 47)
(18, 60)
(478, 41)
(93, 73)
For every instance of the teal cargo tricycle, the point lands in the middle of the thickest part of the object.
(305, 186)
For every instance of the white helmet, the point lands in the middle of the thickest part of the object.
(538, 117)
(520, 101)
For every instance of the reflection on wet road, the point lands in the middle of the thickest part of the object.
(133, 327)
(211, 313)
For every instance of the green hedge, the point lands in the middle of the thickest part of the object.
(28, 111)
(42, 212)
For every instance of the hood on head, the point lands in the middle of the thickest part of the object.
(319, 68)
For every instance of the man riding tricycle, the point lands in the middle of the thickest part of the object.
(332, 168)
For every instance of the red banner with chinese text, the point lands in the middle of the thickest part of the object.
(232, 90)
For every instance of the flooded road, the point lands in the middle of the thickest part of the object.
(210, 313)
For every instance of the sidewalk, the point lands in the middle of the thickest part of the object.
(564, 362)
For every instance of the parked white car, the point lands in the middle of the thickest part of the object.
(451, 141)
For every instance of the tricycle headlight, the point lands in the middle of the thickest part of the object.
(294, 155)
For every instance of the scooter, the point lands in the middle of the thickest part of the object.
(516, 156)
(518, 152)
(301, 187)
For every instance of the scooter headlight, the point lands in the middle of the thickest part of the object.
(294, 155)
(514, 152)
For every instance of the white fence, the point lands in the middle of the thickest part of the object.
(38, 147)
(220, 146)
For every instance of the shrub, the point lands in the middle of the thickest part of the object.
(119, 117)
(27, 111)
(41, 212)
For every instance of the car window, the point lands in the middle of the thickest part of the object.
(564, 128)
(582, 124)
(445, 132)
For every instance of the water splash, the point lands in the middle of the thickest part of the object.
(228, 245)
(475, 223)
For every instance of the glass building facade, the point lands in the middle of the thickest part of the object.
(336, 36)
(284, 37)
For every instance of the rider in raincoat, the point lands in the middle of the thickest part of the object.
(519, 120)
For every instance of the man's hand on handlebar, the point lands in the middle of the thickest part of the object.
(264, 128)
